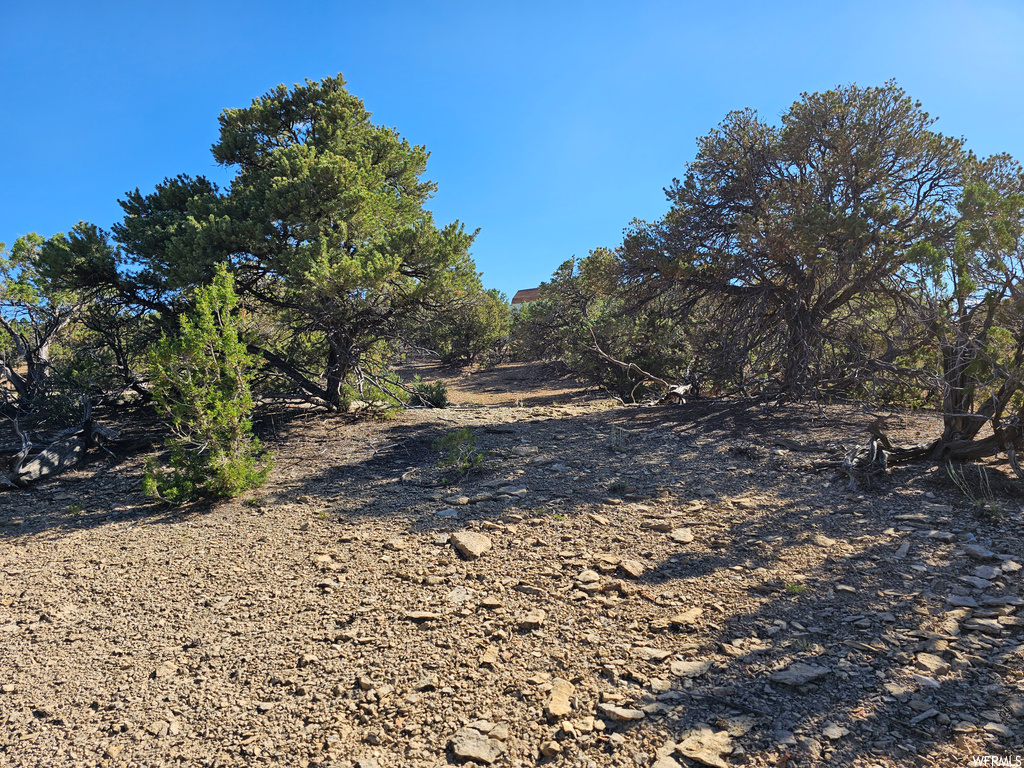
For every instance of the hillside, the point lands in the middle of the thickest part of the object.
(669, 585)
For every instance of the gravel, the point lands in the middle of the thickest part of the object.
(336, 618)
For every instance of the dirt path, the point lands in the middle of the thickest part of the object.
(663, 585)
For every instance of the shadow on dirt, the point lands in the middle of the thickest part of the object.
(786, 564)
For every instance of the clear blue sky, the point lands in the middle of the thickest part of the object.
(551, 125)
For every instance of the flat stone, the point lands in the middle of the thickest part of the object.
(559, 704)
(705, 746)
(511, 490)
(999, 730)
(926, 715)
(484, 726)
(799, 673)
(978, 552)
(459, 595)
(976, 581)
(550, 748)
(1003, 600)
(681, 535)
(1016, 706)
(158, 728)
(661, 526)
(932, 664)
(653, 655)
(470, 744)
(689, 668)
(687, 618)
(897, 690)
(633, 568)
(821, 540)
(489, 656)
(620, 714)
(165, 670)
(525, 450)
(471, 545)
(962, 601)
(834, 732)
(988, 626)
(738, 725)
(447, 513)
(784, 738)
(986, 572)
(534, 619)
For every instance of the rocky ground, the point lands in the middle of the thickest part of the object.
(663, 586)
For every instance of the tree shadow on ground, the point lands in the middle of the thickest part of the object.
(787, 565)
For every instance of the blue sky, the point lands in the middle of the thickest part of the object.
(551, 125)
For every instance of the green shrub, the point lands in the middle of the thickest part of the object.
(459, 452)
(431, 395)
(200, 381)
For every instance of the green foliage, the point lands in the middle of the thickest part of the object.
(475, 323)
(325, 219)
(200, 380)
(325, 229)
(459, 452)
(433, 395)
(34, 311)
(787, 232)
(586, 306)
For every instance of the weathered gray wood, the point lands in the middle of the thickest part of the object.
(67, 449)
(53, 460)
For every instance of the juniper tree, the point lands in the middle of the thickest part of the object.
(200, 379)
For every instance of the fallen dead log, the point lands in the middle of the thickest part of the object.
(65, 450)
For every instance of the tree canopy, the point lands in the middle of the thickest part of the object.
(324, 227)
(798, 222)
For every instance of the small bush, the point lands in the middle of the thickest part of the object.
(458, 451)
(200, 382)
(431, 395)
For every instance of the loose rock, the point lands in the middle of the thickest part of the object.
(705, 746)
(471, 545)
(559, 704)
(620, 714)
(470, 744)
(799, 673)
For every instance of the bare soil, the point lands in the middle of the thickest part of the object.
(670, 585)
